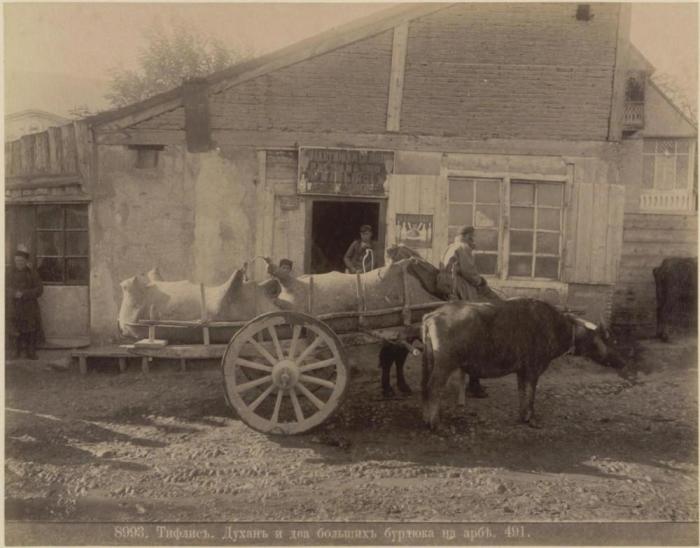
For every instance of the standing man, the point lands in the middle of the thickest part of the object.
(458, 270)
(459, 264)
(23, 288)
(363, 255)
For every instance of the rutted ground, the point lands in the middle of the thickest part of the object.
(165, 447)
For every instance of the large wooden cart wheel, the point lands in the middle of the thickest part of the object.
(284, 373)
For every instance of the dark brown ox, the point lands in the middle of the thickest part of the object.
(148, 296)
(519, 336)
(676, 293)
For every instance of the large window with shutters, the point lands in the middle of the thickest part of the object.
(57, 236)
(518, 224)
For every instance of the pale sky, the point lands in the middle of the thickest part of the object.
(77, 44)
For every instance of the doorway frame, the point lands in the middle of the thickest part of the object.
(308, 221)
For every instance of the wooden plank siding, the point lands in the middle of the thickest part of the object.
(58, 151)
(417, 194)
(647, 240)
(595, 233)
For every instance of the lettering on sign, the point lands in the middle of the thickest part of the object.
(415, 231)
(347, 172)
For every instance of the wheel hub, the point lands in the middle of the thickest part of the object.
(285, 374)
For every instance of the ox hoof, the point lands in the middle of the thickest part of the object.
(534, 423)
(388, 393)
(405, 389)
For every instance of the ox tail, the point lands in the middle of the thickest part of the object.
(428, 357)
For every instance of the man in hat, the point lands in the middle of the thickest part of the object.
(363, 255)
(459, 264)
(23, 287)
(462, 281)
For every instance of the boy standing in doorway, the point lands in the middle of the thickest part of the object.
(363, 255)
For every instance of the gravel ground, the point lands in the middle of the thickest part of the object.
(165, 447)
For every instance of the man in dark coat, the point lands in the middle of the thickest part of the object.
(23, 287)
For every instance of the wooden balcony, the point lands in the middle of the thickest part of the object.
(667, 201)
(634, 115)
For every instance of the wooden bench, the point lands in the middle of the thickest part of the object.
(116, 352)
(181, 353)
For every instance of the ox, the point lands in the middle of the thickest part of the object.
(148, 296)
(519, 336)
(676, 292)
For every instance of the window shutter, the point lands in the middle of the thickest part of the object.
(594, 233)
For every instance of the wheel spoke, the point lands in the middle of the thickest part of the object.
(309, 349)
(318, 403)
(252, 384)
(316, 365)
(261, 397)
(261, 350)
(295, 338)
(295, 404)
(316, 380)
(253, 365)
(276, 342)
(276, 411)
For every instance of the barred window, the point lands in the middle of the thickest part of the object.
(62, 246)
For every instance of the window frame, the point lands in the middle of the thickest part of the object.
(690, 166)
(506, 179)
(64, 257)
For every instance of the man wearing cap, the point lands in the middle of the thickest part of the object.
(462, 282)
(23, 287)
(363, 255)
(458, 262)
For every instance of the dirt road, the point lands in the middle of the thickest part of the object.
(110, 446)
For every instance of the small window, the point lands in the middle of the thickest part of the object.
(62, 244)
(146, 155)
(667, 164)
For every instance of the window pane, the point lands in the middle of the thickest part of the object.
(549, 195)
(520, 265)
(682, 172)
(77, 271)
(488, 192)
(486, 216)
(521, 242)
(460, 214)
(486, 240)
(76, 216)
(77, 243)
(452, 231)
(522, 217)
(665, 173)
(648, 176)
(50, 243)
(461, 190)
(49, 216)
(522, 193)
(548, 219)
(665, 146)
(547, 243)
(547, 267)
(486, 263)
(50, 269)
(682, 146)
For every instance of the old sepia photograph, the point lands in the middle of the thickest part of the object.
(380, 274)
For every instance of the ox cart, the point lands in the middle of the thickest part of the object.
(286, 372)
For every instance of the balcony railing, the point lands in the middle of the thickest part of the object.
(634, 115)
(670, 201)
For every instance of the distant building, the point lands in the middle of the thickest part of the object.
(30, 121)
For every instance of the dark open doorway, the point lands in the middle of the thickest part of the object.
(334, 225)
